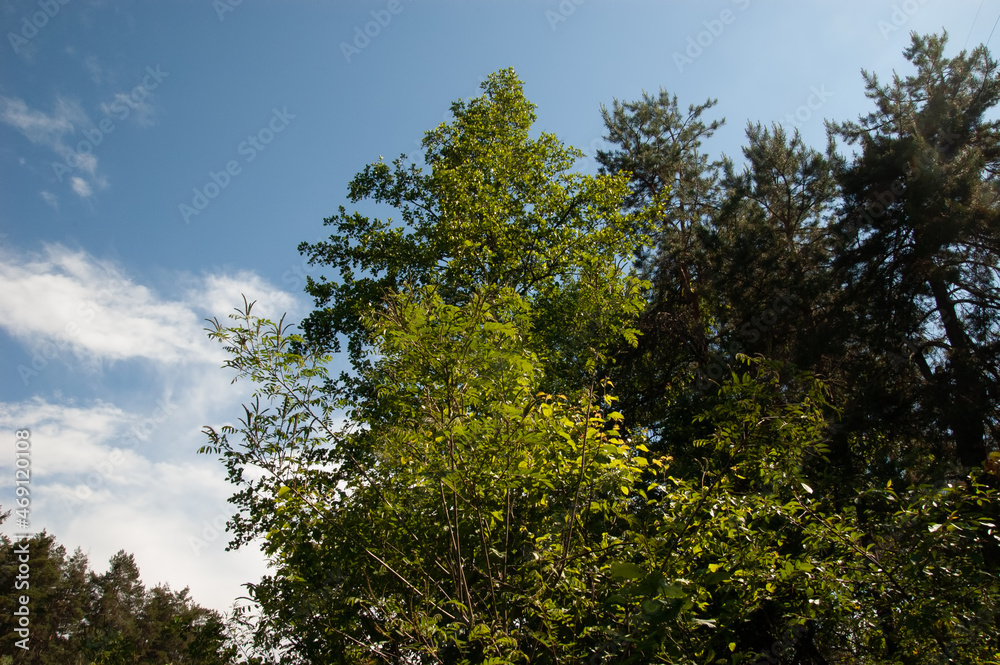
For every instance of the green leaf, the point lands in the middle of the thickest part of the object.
(626, 570)
(672, 591)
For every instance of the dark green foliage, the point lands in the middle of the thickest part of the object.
(878, 272)
(80, 617)
(919, 234)
(59, 593)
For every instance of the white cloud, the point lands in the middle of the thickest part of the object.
(93, 68)
(77, 431)
(39, 127)
(221, 294)
(122, 472)
(60, 130)
(81, 187)
(53, 130)
(138, 110)
(85, 162)
(50, 199)
(91, 308)
(65, 303)
(93, 488)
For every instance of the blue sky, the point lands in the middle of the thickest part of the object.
(158, 160)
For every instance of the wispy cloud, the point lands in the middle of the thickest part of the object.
(39, 127)
(50, 199)
(81, 187)
(125, 103)
(94, 488)
(68, 131)
(53, 130)
(220, 294)
(92, 309)
(93, 67)
(122, 472)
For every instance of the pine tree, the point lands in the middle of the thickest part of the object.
(920, 242)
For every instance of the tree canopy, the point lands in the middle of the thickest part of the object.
(681, 411)
(81, 617)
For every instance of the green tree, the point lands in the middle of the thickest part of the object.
(855, 244)
(676, 188)
(477, 490)
(116, 604)
(769, 245)
(508, 277)
(920, 237)
(460, 519)
(58, 595)
(739, 261)
(77, 617)
(461, 516)
(496, 208)
(463, 512)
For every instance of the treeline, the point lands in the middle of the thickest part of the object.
(78, 617)
(681, 411)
